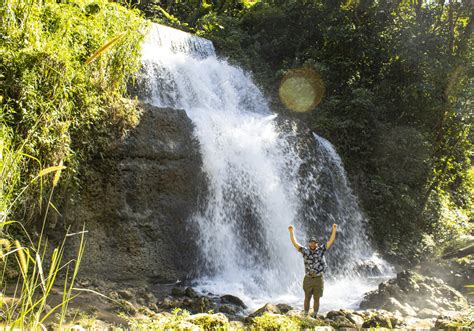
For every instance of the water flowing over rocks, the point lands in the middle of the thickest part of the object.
(136, 199)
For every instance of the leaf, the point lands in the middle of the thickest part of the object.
(57, 174)
(105, 47)
(50, 169)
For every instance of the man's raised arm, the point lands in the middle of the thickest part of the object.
(292, 237)
(333, 237)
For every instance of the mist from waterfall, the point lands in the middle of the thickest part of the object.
(262, 177)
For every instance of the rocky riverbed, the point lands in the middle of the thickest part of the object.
(408, 301)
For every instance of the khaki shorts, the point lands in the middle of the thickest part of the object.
(313, 285)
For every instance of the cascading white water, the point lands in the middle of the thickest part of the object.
(256, 188)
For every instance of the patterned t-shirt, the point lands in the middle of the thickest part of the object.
(314, 261)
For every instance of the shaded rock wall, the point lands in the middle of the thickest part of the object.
(136, 201)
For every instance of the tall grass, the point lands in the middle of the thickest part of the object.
(55, 110)
(26, 308)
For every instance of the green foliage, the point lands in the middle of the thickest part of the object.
(53, 105)
(179, 319)
(269, 321)
(55, 110)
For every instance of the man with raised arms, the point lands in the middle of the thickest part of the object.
(315, 266)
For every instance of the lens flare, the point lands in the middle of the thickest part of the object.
(301, 89)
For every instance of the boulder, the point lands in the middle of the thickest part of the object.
(190, 293)
(368, 269)
(229, 309)
(284, 308)
(378, 321)
(267, 308)
(343, 322)
(233, 300)
(177, 292)
(170, 303)
(356, 319)
(125, 294)
(201, 305)
(335, 313)
(409, 292)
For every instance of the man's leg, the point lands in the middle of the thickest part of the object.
(316, 303)
(317, 294)
(307, 294)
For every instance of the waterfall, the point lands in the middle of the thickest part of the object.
(263, 175)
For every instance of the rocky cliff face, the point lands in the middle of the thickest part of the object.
(136, 200)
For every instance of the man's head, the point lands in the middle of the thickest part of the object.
(313, 243)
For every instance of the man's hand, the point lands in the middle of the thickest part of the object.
(333, 236)
(292, 237)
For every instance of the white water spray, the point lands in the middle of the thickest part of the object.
(257, 186)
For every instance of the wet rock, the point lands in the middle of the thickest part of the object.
(137, 196)
(125, 294)
(284, 308)
(229, 309)
(170, 302)
(268, 308)
(334, 313)
(190, 292)
(150, 298)
(177, 292)
(233, 300)
(201, 305)
(343, 322)
(378, 321)
(356, 319)
(126, 307)
(410, 291)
